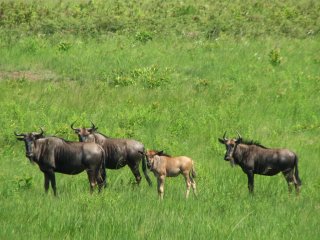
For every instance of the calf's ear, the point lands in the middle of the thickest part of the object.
(221, 141)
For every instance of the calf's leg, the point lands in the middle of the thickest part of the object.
(193, 185)
(161, 186)
(188, 183)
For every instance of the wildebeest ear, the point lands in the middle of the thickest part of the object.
(238, 140)
(221, 140)
(92, 130)
(39, 135)
(20, 139)
(160, 152)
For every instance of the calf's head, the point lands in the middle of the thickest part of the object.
(152, 156)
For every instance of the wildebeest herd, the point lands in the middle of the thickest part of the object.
(95, 152)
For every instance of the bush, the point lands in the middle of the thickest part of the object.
(274, 57)
(148, 77)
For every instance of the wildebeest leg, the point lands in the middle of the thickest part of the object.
(289, 177)
(52, 179)
(297, 185)
(136, 173)
(92, 179)
(46, 182)
(102, 178)
(250, 181)
(161, 186)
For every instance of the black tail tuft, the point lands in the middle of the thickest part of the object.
(144, 168)
(296, 172)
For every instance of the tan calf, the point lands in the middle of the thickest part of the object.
(163, 165)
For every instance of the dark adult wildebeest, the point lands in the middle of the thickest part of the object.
(163, 165)
(118, 152)
(254, 158)
(54, 154)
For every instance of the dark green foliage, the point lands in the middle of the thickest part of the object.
(274, 57)
(143, 37)
(64, 46)
(237, 19)
(147, 77)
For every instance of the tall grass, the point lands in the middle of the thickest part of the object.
(172, 91)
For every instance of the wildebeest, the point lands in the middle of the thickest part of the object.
(163, 165)
(53, 154)
(254, 158)
(118, 152)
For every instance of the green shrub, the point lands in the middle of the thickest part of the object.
(274, 57)
(64, 46)
(143, 36)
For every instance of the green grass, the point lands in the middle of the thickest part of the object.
(175, 92)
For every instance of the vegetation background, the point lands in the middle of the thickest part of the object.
(174, 75)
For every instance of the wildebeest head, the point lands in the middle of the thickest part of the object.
(231, 145)
(85, 134)
(29, 139)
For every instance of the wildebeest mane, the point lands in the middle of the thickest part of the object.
(161, 153)
(252, 142)
(64, 140)
(101, 134)
(69, 142)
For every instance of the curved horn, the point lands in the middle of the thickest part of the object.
(224, 136)
(41, 132)
(239, 136)
(93, 126)
(72, 126)
(19, 134)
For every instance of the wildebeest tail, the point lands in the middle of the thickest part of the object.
(102, 170)
(144, 167)
(296, 172)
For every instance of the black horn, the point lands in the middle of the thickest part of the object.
(19, 134)
(239, 136)
(42, 132)
(39, 135)
(224, 136)
(73, 127)
(93, 127)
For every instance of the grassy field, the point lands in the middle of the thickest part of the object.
(174, 76)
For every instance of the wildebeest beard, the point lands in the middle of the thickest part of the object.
(232, 162)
